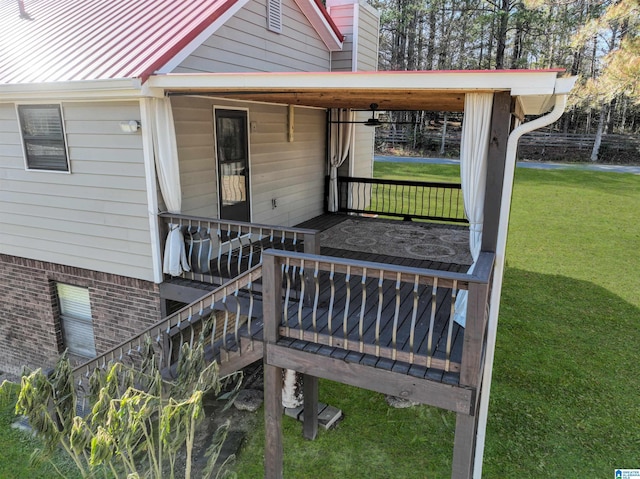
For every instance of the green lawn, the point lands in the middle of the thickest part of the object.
(17, 447)
(565, 399)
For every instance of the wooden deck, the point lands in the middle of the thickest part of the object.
(393, 351)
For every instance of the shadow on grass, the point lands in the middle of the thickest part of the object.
(564, 396)
(564, 399)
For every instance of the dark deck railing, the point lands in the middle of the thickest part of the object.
(382, 311)
(218, 250)
(400, 198)
(218, 317)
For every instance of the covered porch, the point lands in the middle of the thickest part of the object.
(283, 289)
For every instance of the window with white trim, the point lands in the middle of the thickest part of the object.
(76, 320)
(43, 137)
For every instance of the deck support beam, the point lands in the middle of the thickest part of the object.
(454, 398)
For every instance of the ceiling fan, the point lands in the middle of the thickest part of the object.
(373, 121)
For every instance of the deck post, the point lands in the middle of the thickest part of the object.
(497, 156)
(310, 414)
(471, 367)
(311, 246)
(272, 315)
(464, 446)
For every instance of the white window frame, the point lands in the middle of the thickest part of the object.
(75, 307)
(63, 138)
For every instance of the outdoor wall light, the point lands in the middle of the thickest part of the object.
(129, 126)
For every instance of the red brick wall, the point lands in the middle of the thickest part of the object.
(30, 333)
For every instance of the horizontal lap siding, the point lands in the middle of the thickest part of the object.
(342, 15)
(94, 218)
(193, 118)
(244, 44)
(368, 26)
(290, 172)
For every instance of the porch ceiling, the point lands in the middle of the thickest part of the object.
(399, 99)
(432, 90)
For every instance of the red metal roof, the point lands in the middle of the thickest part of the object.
(67, 40)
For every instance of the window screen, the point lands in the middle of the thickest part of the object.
(75, 316)
(43, 137)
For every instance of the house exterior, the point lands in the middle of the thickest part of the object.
(228, 115)
(88, 218)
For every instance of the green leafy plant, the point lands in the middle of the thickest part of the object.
(139, 425)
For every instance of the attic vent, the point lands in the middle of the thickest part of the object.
(274, 15)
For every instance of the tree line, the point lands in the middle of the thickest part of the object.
(599, 41)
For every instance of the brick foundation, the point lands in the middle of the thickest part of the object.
(30, 331)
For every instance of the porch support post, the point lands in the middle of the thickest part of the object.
(310, 383)
(310, 414)
(500, 125)
(272, 315)
(464, 446)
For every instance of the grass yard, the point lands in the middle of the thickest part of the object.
(565, 397)
(17, 447)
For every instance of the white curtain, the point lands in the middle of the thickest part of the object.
(474, 147)
(166, 157)
(341, 135)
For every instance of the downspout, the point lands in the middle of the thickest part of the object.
(562, 88)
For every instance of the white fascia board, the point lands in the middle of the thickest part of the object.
(123, 88)
(519, 82)
(320, 24)
(200, 39)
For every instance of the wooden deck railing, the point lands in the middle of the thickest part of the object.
(381, 311)
(217, 317)
(400, 198)
(218, 250)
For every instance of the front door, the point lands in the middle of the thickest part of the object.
(232, 145)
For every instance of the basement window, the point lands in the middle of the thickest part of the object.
(274, 15)
(76, 320)
(43, 137)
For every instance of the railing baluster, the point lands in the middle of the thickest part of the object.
(414, 315)
(396, 314)
(432, 320)
(363, 304)
(379, 312)
(331, 300)
(454, 292)
(315, 301)
(347, 281)
(287, 293)
(301, 301)
(236, 328)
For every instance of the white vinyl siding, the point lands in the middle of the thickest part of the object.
(76, 320)
(95, 218)
(368, 28)
(244, 44)
(342, 16)
(43, 137)
(290, 172)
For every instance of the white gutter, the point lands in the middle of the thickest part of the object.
(93, 90)
(563, 87)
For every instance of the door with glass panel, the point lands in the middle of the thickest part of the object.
(232, 146)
